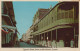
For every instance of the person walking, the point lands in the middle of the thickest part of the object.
(72, 43)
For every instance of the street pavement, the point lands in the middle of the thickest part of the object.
(23, 44)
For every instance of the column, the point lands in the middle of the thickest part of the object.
(44, 39)
(47, 39)
(47, 36)
(56, 38)
(74, 36)
(51, 38)
(44, 36)
(39, 39)
(51, 35)
(74, 22)
(6, 38)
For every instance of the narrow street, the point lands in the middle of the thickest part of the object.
(23, 44)
(49, 24)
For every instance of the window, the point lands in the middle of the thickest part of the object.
(5, 8)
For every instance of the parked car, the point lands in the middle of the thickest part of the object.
(28, 42)
(21, 40)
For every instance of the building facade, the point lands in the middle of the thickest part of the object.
(23, 37)
(38, 16)
(9, 30)
(59, 26)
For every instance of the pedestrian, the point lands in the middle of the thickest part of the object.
(31, 41)
(72, 43)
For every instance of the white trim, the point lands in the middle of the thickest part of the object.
(5, 15)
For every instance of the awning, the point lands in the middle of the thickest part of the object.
(5, 31)
(10, 28)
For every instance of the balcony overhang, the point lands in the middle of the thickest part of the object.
(63, 23)
(9, 27)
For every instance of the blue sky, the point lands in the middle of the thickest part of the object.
(25, 11)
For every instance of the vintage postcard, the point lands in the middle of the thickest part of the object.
(39, 25)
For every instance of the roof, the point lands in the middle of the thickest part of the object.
(42, 12)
